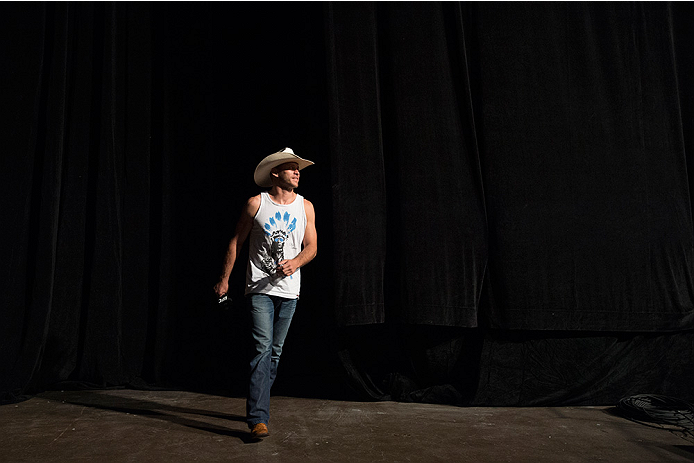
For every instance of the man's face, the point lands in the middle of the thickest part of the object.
(288, 174)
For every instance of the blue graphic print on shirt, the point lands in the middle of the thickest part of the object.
(278, 228)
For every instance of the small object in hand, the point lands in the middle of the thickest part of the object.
(224, 301)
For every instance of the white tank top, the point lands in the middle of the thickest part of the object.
(276, 235)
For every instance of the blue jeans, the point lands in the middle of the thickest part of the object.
(270, 319)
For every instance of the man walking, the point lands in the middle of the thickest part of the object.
(279, 222)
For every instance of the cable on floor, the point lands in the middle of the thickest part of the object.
(661, 410)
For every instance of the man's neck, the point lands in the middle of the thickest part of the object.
(282, 195)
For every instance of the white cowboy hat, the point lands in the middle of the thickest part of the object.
(262, 172)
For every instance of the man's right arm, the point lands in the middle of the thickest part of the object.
(243, 228)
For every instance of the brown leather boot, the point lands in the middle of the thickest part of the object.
(260, 430)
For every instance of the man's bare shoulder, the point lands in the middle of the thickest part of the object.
(252, 205)
(308, 207)
(254, 200)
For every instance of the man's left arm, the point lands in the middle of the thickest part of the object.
(288, 267)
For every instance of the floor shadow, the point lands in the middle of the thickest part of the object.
(163, 412)
(685, 450)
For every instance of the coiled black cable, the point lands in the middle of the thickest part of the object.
(659, 409)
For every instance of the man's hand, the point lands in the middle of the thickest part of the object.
(287, 267)
(221, 288)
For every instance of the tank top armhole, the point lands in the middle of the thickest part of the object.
(262, 203)
(303, 211)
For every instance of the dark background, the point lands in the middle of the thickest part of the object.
(502, 193)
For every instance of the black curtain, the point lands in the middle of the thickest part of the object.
(543, 142)
(533, 177)
(502, 195)
(76, 200)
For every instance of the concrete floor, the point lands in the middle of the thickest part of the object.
(176, 426)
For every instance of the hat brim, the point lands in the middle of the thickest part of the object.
(262, 171)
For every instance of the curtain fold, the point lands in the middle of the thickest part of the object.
(418, 253)
(357, 160)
